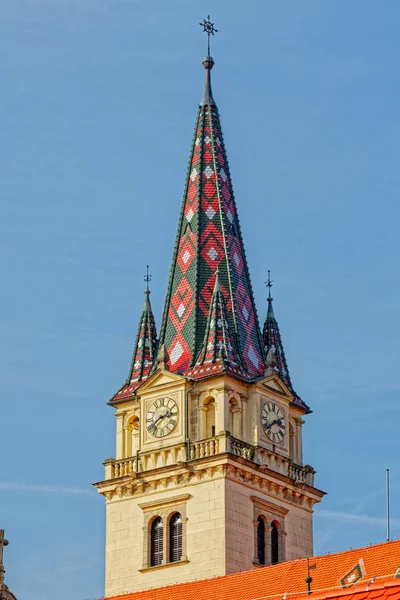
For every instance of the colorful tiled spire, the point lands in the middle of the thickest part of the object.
(144, 351)
(209, 238)
(274, 348)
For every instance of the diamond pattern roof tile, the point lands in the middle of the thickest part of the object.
(209, 238)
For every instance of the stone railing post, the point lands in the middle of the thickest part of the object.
(109, 468)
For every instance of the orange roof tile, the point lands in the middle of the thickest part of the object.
(331, 574)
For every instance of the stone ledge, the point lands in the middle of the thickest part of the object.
(183, 561)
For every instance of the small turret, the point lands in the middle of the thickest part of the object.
(274, 348)
(144, 353)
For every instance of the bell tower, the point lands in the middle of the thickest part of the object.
(208, 477)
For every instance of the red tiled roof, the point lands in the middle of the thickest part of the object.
(331, 574)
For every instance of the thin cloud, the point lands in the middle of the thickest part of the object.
(44, 488)
(360, 519)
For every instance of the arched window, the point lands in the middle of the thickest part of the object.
(175, 538)
(156, 542)
(274, 544)
(261, 541)
(210, 419)
(235, 415)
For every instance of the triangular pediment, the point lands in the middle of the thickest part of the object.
(274, 384)
(160, 378)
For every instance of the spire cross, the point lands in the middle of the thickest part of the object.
(147, 278)
(3, 543)
(209, 28)
(269, 283)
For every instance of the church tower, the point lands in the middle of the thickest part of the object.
(208, 477)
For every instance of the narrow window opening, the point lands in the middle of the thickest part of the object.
(175, 538)
(274, 544)
(156, 542)
(261, 541)
(212, 430)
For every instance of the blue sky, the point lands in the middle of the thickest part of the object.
(99, 100)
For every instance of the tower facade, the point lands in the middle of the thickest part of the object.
(208, 477)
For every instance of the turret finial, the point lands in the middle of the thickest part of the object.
(208, 63)
(209, 28)
(147, 279)
(269, 284)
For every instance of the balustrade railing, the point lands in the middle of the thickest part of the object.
(211, 447)
(204, 448)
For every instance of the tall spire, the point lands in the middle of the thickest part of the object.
(209, 237)
(274, 348)
(5, 593)
(144, 353)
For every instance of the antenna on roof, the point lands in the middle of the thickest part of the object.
(308, 579)
(388, 504)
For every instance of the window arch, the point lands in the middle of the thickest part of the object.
(210, 418)
(261, 541)
(156, 542)
(235, 418)
(274, 543)
(175, 538)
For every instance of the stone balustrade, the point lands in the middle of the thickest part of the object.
(210, 447)
(239, 448)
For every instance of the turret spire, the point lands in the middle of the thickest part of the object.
(218, 347)
(274, 348)
(144, 353)
(209, 237)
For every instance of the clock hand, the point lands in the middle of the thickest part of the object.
(166, 414)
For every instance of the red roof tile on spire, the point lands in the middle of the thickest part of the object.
(334, 576)
(208, 238)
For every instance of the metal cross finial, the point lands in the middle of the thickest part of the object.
(209, 28)
(269, 283)
(147, 278)
(3, 543)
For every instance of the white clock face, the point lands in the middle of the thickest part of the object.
(273, 422)
(162, 417)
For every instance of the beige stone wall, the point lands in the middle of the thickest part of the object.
(205, 539)
(296, 539)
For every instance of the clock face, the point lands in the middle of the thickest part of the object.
(162, 417)
(273, 422)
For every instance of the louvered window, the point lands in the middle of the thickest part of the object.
(156, 542)
(274, 544)
(175, 538)
(261, 541)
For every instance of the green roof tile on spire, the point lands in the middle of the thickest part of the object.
(209, 237)
(273, 341)
(144, 353)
